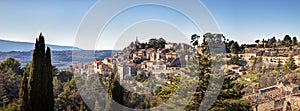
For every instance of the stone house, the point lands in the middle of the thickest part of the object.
(274, 98)
(108, 61)
(156, 67)
(123, 70)
(171, 55)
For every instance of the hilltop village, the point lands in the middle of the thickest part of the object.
(155, 59)
(268, 69)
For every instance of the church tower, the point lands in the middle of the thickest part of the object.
(137, 40)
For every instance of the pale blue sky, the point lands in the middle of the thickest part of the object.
(242, 20)
(247, 20)
(22, 20)
(174, 28)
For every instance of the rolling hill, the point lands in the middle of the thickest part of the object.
(7, 46)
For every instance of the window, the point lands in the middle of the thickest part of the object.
(279, 103)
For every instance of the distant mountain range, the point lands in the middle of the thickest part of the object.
(61, 59)
(7, 46)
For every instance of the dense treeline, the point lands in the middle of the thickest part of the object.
(287, 41)
(64, 88)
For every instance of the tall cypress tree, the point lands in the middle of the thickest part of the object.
(40, 78)
(23, 92)
(35, 89)
(114, 92)
(49, 83)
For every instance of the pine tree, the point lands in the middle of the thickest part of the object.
(199, 69)
(3, 98)
(40, 78)
(294, 41)
(13, 64)
(9, 83)
(230, 97)
(70, 99)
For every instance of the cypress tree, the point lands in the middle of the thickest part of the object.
(114, 92)
(23, 92)
(35, 77)
(117, 89)
(49, 90)
(40, 78)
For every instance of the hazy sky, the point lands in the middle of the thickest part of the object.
(242, 20)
